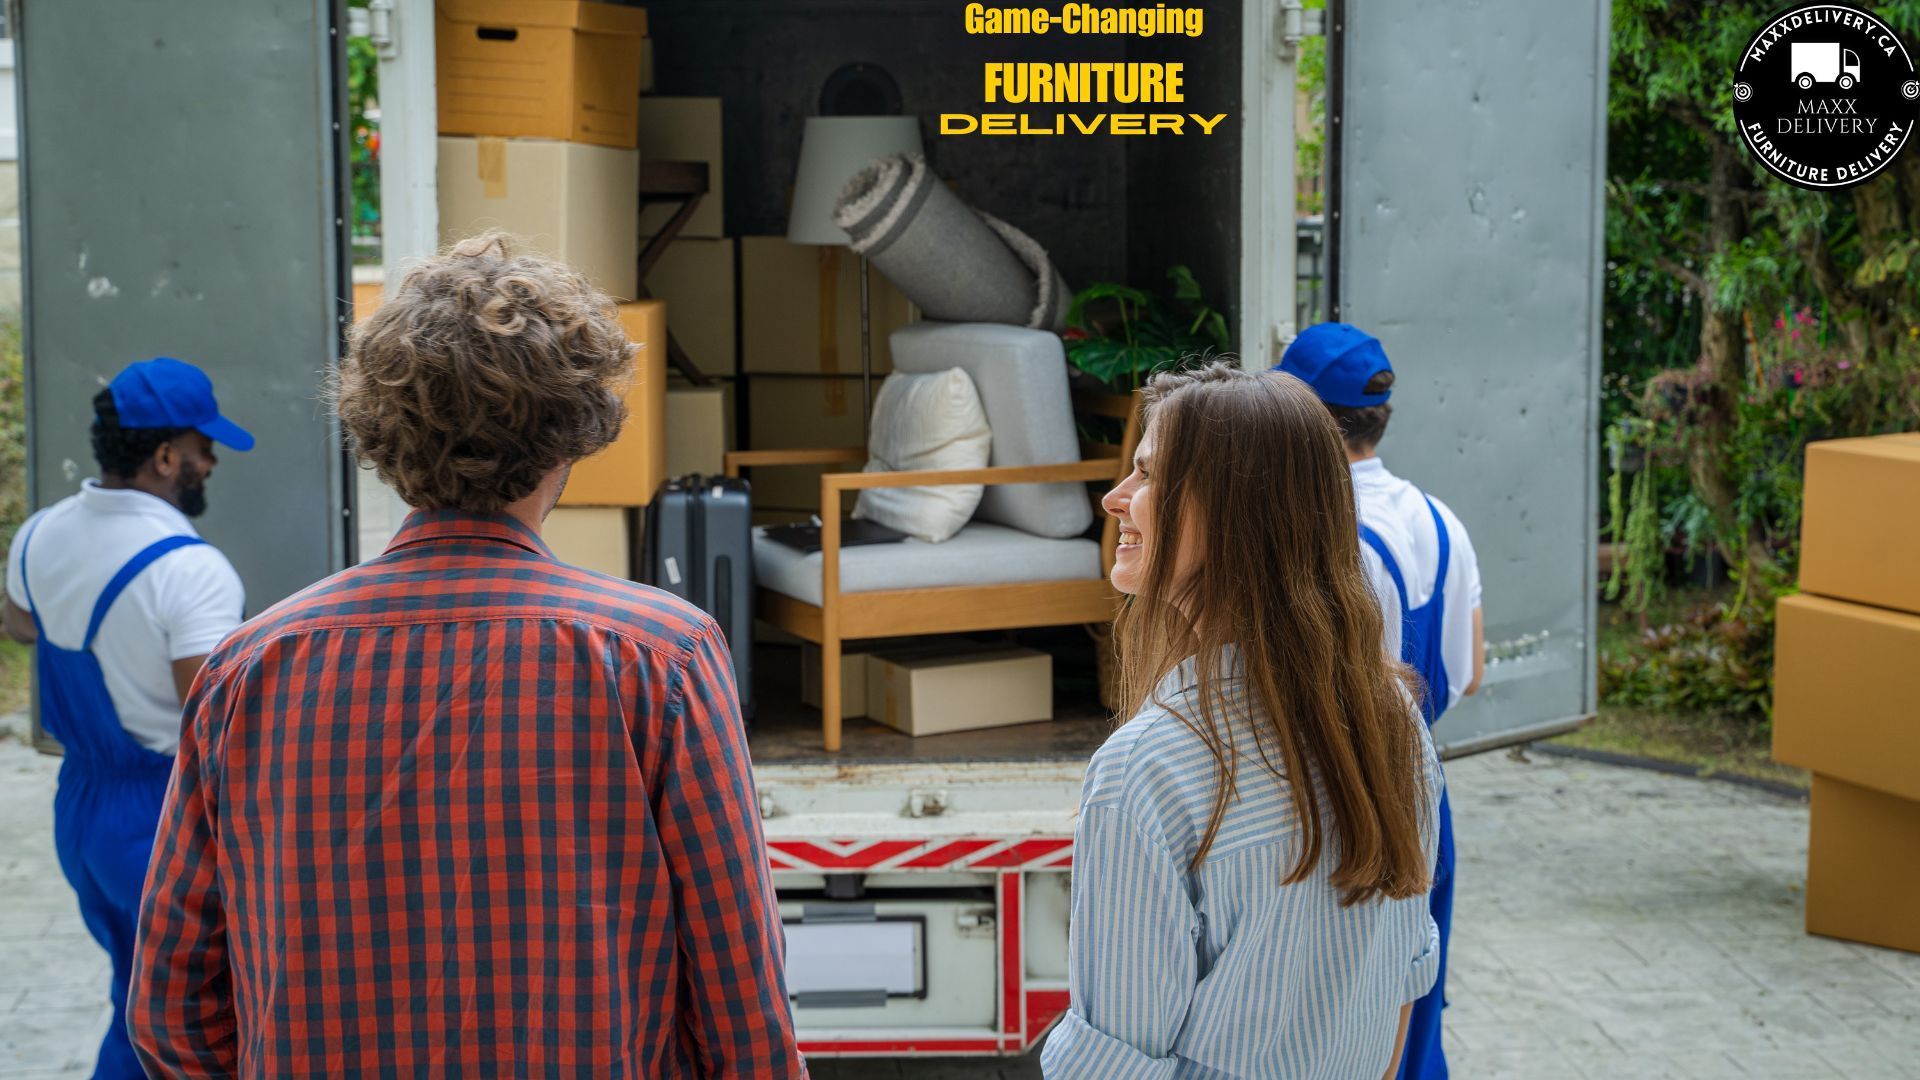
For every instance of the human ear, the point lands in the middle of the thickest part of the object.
(165, 460)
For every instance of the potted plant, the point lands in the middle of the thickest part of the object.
(1119, 335)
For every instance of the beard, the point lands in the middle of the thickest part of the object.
(192, 497)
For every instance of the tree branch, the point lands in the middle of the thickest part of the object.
(1693, 279)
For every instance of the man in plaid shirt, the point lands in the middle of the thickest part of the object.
(464, 809)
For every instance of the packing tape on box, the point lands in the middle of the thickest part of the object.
(492, 161)
(834, 392)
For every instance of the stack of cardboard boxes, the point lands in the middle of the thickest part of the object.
(539, 129)
(546, 114)
(1847, 680)
(773, 322)
(695, 277)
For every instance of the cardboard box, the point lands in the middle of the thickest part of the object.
(853, 680)
(1859, 518)
(695, 278)
(1846, 699)
(685, 129)
(574, 202)
(626, 473)
(785, 413)
(367, 296)
(1863, 875)
(933, 693)
(646, 65)
(539, 69)
(699, 428)
(786, 294)
(591, 537)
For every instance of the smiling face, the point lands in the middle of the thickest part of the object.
(1132, 505)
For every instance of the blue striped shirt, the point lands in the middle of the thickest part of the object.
(1223, 972)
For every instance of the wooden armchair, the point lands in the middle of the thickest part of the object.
(901, 607)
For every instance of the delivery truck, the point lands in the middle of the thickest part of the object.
(186, 192)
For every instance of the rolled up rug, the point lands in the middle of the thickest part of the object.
(955, 263)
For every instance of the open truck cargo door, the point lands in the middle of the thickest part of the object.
(182, 186)
(1467, 217)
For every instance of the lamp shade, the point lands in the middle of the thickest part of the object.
(832, 149)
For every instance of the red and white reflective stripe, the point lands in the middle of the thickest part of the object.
(876, 856)
(1013, 960)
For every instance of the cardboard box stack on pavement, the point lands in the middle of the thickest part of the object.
(1846, 676)
(935, 692)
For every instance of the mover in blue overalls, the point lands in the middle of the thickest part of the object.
(124, 601)
(1428, 582)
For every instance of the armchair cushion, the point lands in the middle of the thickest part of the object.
(925, 422)
(1022, 379)
(978, 554)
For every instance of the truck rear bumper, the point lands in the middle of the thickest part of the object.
(975, 856)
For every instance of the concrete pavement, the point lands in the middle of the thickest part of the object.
(1610, 923)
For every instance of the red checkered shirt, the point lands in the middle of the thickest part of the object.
(464, 810)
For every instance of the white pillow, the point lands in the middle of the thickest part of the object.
(926, 422)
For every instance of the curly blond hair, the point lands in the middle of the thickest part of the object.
(486, 371)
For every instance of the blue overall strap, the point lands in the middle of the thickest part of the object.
(27, 586)
(1446, 547)
(1379, 547)
(126, 575)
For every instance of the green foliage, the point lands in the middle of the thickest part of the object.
(13, 432)
(363, 143)
(1705, 662)
(1743, 319)
(1120, 334)
(1310, 141)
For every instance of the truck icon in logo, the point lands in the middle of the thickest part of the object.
(1824, 61)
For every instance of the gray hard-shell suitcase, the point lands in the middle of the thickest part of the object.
(698, 545)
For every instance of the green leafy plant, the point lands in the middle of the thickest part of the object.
(1120, 334)
(13, 432)
(1705, 662)
(363, 129)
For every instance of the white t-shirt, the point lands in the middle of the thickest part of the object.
(180, 606)
(1396, 510)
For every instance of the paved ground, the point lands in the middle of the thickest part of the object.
(1611, 923)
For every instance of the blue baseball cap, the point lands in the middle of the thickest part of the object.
(168, 393)
(1337, 360)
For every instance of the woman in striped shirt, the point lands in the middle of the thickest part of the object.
(1255, 846)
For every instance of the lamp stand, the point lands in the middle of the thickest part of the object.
(866, 356)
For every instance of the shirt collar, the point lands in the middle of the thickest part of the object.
(426, 526)
(133, 501)
(1369, 467)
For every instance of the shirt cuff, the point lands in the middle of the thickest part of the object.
(1076, 1049)
(1425, 970)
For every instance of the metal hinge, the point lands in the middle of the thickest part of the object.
(375, 23)
(926, 804)
(1295, 24)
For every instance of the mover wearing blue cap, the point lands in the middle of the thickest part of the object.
(123, 601)
(1427, 579)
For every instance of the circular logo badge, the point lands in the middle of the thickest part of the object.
(1825, 96)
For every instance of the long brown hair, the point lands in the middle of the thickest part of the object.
(1250, 467)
